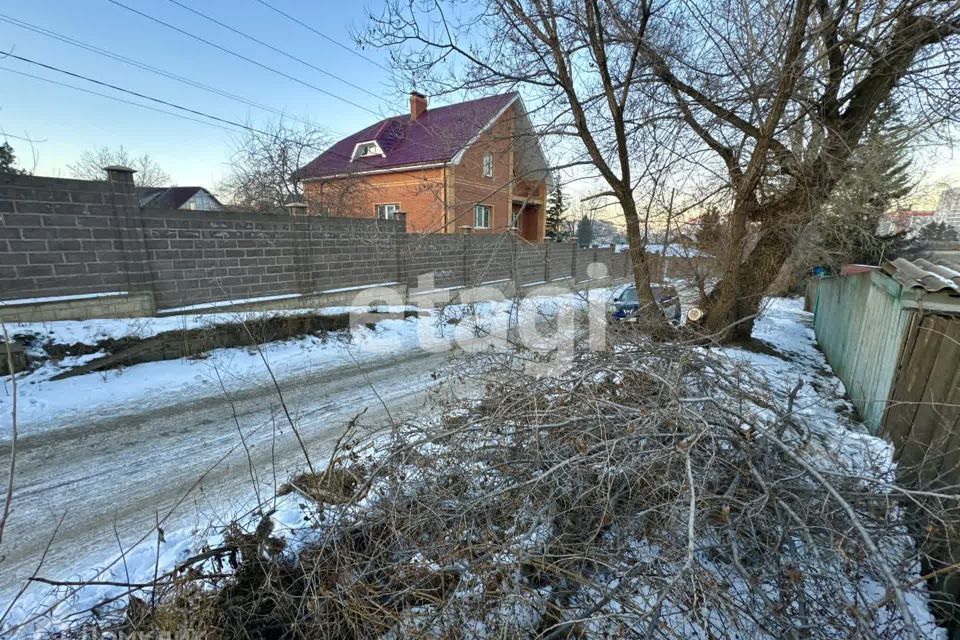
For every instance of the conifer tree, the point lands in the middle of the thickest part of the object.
(878, 176)
(584, 232)
(8, 160)
(556, 208)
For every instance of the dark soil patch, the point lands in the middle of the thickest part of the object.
(187, 343)
(331, 486)
(755, 345)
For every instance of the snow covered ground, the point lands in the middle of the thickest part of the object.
(821, 396)
(844, 441)
(169, 420)
(44, 405)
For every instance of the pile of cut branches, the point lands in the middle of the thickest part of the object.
(654, 491)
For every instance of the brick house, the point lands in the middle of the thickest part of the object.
(474, 165)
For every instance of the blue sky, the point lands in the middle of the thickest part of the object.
(69, 122)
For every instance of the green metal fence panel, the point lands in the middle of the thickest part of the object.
(860, 326)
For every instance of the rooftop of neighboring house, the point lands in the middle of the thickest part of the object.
(424, 136)
(910, 213)
(197, 198)
(906, 219)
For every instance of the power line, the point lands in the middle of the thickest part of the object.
(108, 96)
(243, 57)
(273, 48)
(323, 35)
(167, 103)
(128, 91)
(238, 125)
(146, 67)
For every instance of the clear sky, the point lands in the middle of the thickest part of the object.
(67, 122)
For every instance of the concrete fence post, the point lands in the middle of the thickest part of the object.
(399, 239)
(129, 216)
(296, 208)
(302, 230)
(546, 262)
(573, 262)
(514, 271)
(465, 249)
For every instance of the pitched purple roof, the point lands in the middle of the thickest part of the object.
(437, 135)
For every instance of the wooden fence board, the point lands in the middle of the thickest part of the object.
(929, 375)
(949, 472)
(896, 424)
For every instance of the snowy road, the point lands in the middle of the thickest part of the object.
(112, 471)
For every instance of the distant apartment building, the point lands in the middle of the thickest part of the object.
(948, 209)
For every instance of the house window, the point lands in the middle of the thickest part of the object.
(201, 201)
(488, 165)
(366, 149)
(481, 216)
(387, 211)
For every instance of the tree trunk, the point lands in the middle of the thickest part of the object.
(649, 310)
(787, 275)
(723, 303)
(734, 303)
(759, 271)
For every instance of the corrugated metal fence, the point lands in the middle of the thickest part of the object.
(860, 326)
(901, 367)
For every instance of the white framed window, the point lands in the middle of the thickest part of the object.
(481, 216)
(488, 165)
(387, 211)
(366, 149)
(201, 201)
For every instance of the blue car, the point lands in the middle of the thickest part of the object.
(626, 304)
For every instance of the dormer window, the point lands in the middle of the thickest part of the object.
(367, 149)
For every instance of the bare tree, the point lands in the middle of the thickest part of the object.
(763, 100)
(263, 160)
(879, 176)
(90, 164)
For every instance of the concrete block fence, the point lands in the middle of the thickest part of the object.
(75, 249)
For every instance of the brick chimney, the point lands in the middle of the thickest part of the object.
(418, 104)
